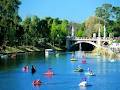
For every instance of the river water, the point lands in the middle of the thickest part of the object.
(13, 78)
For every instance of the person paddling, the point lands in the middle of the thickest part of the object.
(33, 70)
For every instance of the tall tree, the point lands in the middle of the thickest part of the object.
(81, 30)
(116, 13)
(53, 33)
(27, 29)
(63, 32)
(92, 25)
(111, 14)
(104, 11)
(9, 20)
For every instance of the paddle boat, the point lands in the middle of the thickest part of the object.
(83, 84)
(49, 72)
(73, 59)
(78, 69)
(90, 73)
(25, 68)
(83, 61)
(36, 82)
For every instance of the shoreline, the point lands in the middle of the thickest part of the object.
(24, 49)
(21, 49)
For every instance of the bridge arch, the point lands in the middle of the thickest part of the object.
(89, 42)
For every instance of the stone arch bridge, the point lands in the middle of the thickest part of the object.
(97, 42)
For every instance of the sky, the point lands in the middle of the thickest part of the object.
(72, 10)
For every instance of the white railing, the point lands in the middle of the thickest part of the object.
(87, 38)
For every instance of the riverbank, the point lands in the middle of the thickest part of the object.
(22, 49)
(105, 52)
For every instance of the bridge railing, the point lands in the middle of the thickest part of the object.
(116, 38)
(93, 38)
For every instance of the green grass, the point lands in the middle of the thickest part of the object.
(21, 49)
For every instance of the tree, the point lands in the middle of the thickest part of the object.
(81, 30)
(53, 33)
(9, 20)
(104, 12)
(111, 14)
(35, 30)
(63, 32)
(27, 29)
(19, 35)
(92, 25)
(59, 31)
(116, 13)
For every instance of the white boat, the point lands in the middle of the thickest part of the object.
(90, 74)
(57, 54)
(48, 51)
(83, 84)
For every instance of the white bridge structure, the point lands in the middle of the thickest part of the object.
(95, 41)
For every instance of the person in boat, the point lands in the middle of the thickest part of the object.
(33, 70)
(36, 82)
(25, 68)
(83, 83)
(73, 55)
(90, 72)
(89, 69)
(83, 59)
(84, 79)
(78, 69)
(49, 72)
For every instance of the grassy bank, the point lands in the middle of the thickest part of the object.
(105, 52)
(9, 49)
(17, 49)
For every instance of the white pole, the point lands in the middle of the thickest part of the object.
(99, 32)
(104, 32)
(98, 37)
(72, 31)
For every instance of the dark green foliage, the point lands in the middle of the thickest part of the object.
(111, 14)
(104, 11)
(9, 20)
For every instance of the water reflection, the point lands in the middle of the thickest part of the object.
(83, 88)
